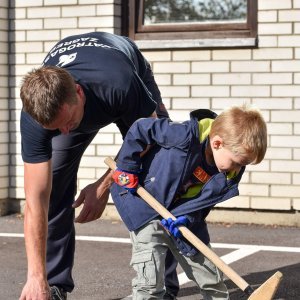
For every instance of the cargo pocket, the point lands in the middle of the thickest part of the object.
(144, 265)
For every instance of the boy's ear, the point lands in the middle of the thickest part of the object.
(216, 142)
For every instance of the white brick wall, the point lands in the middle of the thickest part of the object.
(4, 106)
(268, 77)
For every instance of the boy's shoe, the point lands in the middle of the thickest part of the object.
(58, 293)
(169, 296)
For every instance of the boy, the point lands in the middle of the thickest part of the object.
(191, 166)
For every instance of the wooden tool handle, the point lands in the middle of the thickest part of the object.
(193, 239)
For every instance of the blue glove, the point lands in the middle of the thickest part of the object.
(171, 225)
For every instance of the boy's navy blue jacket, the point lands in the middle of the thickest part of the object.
(176, 152)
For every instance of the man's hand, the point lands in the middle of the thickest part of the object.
(171, 225)
(94, 198)
(36, 289)
(127, 180)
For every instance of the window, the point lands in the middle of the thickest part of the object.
(211, 23)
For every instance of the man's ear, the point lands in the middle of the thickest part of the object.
(216, 142)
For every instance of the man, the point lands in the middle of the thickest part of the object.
(86, 82)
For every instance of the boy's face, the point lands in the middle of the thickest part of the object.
(225, 160)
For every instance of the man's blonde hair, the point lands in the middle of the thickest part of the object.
(45, 90)
(243, 131)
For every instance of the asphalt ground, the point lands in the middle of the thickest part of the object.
(102, 269)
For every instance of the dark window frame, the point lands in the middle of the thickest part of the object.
(132, 26)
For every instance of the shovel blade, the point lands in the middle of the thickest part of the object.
(268, 289)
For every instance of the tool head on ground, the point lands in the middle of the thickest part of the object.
(268, 289)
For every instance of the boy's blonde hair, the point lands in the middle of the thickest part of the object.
(243, 131)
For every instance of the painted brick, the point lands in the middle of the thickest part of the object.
(175, 91)
(289, 41)
(297, 103)
(297, 78)
(60, 23)
(231, 54)
(274, 4)
(107, 150)
(250, 66)
(250, 91)
(289, 15)
(296, 178)
(274, 53)
(264, 166)
(230, 79)
(296, 204)
(210, 91)
(59, 2)
(296, 4)
(17, 13)
(285, 191)
(4, 171)
(221, 103)
(4, 47)
(108, 10)
(236, 202)
(285, 166)
(190, 103)
(87, 173)
(280, 128)
(90, 150)
(28, 3)
(103, 138)
(286, 66)
(28, 47)
(286, 90)
(297, 28)
(36, 58)
(92, 161)
(267, 16)
(99, 1)
(274, 28)
(78, 11)
(271, 203)
(191, 55)
(172, 67)
(99, 21)
(278, 153)
(17, 36)
(267, 41)
(45, 12)
(27, 24)
(43, 35)
(157, 56)
(179, 115)
(297, 128)
(271, 177)
(210, 67)
(191, 79)
(285, 116)
(273, 103)
(163, 79)
(273, 78)
(254, 189)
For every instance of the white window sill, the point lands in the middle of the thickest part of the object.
(196, 43)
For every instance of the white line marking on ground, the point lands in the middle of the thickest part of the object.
(241, 252)
(214, 245)
(227, 258)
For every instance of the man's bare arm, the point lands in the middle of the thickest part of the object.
(38, 183)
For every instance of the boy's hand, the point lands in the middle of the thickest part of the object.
(128, 180)
(171, 225)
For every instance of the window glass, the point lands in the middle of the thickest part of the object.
(157, 12)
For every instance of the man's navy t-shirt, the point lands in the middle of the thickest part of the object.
(110, 70)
